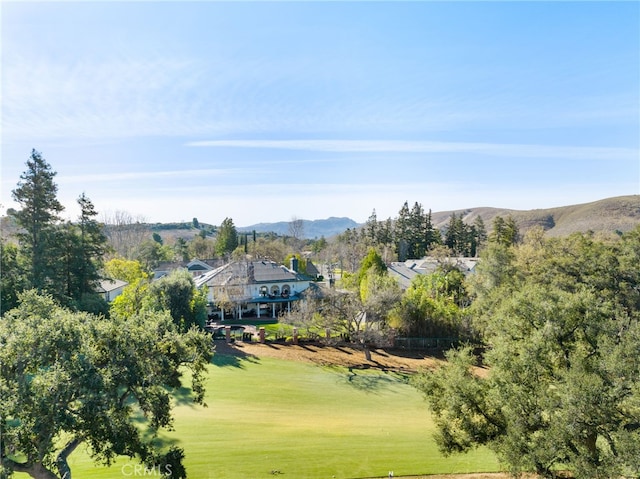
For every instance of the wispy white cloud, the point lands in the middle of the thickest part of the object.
(384, 146)
(117, 98)
(147, 175)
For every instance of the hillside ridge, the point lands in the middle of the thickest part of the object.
(620, 213)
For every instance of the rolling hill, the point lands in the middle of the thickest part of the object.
(620, 213)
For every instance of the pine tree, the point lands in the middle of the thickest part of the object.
(481, 234)
(417, 244)
(36, 193)
(371, 228)
(401, 232)
(432, 235)
(93, 245)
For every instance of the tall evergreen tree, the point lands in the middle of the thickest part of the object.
(417, 244)
(505, 232)
(432, 235)
(401, 232)
(481, 234)
(227, 239)
(38, 216)
(93, 247)
(371, 228)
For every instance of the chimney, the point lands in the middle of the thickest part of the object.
(294, 264)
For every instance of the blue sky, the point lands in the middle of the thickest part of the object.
(266, 111)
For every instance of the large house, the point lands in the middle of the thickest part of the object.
(252, 289)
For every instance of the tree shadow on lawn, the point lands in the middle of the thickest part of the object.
(231, 355)
(370, 382)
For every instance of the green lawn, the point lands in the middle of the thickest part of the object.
(305, 421)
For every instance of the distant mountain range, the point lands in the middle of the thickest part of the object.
(621, 213)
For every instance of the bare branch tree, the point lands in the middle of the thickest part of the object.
(125, 232)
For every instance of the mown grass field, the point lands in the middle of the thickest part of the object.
(305, 421)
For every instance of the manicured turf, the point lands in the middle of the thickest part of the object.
(304, 421)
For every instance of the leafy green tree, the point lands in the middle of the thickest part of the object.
(175, 293)
(71, 379)
(38, 216)
(372, 261)
(227, 239)
(563, 387)
(505, 232)
(271, 249)
(318, 245)
(200, 247)
(433, 306)
(181, 249)
(131, 301)
(12, 277)
(151, 253)
(125, 270)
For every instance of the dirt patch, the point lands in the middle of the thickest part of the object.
(347, 356)
(401, 361)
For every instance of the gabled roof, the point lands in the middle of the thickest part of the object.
(241, 272)
(311, 269)
(108, 285)
(403, 274)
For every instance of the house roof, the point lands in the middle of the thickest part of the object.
(194, 265)
(253, 272)
(108, 285)
(405, 271)
(311, 269)
(403, 274)
(268, 271)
